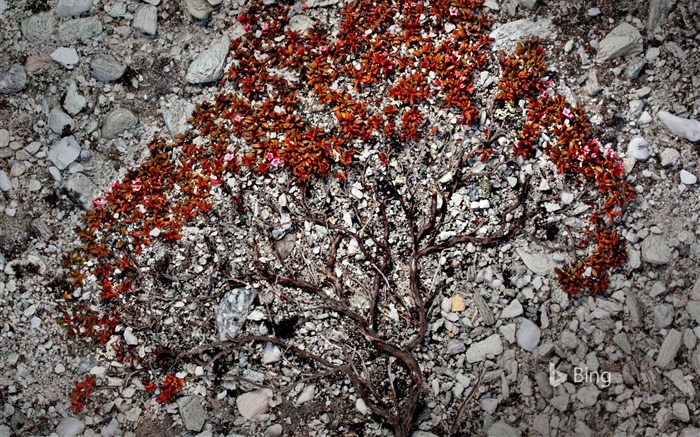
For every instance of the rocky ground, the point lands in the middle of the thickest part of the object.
(84, 85)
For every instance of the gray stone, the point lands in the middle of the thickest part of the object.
(118, 121)
(455, 347)
(634, 68)
(687, 177)
(528, 335)
(232, 311)
(199, 9)
(306, 395)
(209, 65)
(679, 126)
(192, 412)
(70, 427)
(592, 85)
(669, 156)
(73, 103)
(274, 431)
(254, 403)
(509, 34)
(272, 353)
(13, 80)
(680, 410)
(514, 309)
(64, 152)
(655, 250)
(5, 183)
(678, 379)
(106, 69)
(70, 8)
(67, 57)
(639, 149)
(79, 30)
(39, 29)
(636, 107)
(146, 19)
(588, 395)
(636, 308)
(658, 9)
(623, 40)
(82, 190)
(300, 23)
(669, 349)
(60, 122)
(502, 429)
(582, 430)
(539, 262)
(663, 315)
(490, 347)
(176, 115)
(484, 309)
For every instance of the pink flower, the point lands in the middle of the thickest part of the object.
(276, 162)
(265, 26)
(610, 154)
(549, 82)
(567, 113)
(98, 202)
(246, 27)
(269, 156)
(453, 11)
(137, 185)
(229, 157)
(237, 118)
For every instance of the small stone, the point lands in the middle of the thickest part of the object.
(688, 178)
(13, 80)
(64, 152)
(192, 412)
(639, 149)
(592, 85)
(106, 69)
(254, 403)
(308, 394)
(79, 30)
(146, 19)
(490, 347)
(663, 315)
(643, 91)
(502, 429)
(274, 431)
(39, 29)
(60, 122)
(669, 156)
(71, 8)
(538, 262)
(680, 410)
(528, 335)
(118, 121)
(560, 402)
(457, 304)
(658, 9)
(655, 250)
(129, 337)
(645, 118)
(199, 9)
(593, 12)
(362, 407)
(484, 309)
(272, 353)
(514, 309)
(67, 57)
(455, 347)
(82, 190)
(588, 395)
(209, 65)
(679, 126)
(508, 35)
(5, 183)
(70, 427)
(623, 40)
(669, 349)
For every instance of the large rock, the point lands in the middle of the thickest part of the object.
(639, 149)
(106, 69)
(66, 57)
(70, 8)
(528, 335)
(60, 122)
(623, 40)
(64, 152)
(82, 190)
(539, 262)
(118, 121)
(74, 102)
(508, 35)
(209, 65)
(13, 80)
(679, 126)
